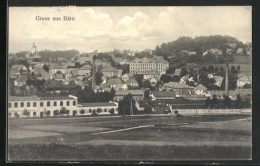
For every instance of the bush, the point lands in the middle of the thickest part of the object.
(112, 111)
(82, 111)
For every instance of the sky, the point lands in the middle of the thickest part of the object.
(134, 28)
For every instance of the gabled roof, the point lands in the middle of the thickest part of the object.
(177, 85)
(23, 98)
(22, 78)
(200, 87)
(113, 81)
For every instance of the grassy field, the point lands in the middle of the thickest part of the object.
(131, 138)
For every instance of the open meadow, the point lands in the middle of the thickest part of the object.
(131, 138)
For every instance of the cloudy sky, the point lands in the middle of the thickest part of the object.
(135, 28)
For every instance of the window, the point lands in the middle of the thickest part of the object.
(48, 104)
(41, 104)
(74, 103)
(15, 104)
(61, 103)
(34, 104)
(68, 103)
(105, 110)
(90, 110)
(9, 105)
(55, 103)
(22, 104)
(28, 104)
(34, 113)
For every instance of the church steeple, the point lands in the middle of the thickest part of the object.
(34, 48)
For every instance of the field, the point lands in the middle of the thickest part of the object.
(131, 138)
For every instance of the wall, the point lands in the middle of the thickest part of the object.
(211, 111)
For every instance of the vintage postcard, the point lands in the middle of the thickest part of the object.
(129, 83)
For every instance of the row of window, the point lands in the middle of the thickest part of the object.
(145, 64)
(34, 104)
(119, 99)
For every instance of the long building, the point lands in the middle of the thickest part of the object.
(33, 106)
(143, 66)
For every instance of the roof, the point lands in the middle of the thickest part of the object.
(59, 76)
(114, 81)
(149, 60)
(17, 67)
(177, 71)
(57, 98)
(96, 104)
(126, 92)
(131, 81)
(201, 87)
(177, 85)
(22, 98)
(22, 78)
(245, 78)
(218, 78)
(242, 92)
(164, 93)
(153, 72)
(86, 67)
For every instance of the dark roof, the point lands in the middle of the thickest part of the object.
(96, 104)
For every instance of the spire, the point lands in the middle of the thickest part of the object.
(226, 81)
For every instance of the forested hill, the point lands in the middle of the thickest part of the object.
(198, 44)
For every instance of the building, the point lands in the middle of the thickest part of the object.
(243, 80)
(151, 74)
(21, 81)
(125, 77)
(218, 80)
(200, 90)
(16, 71)
(138, 95)
(143, 66)
(111, 72)
(35, 106)
(97, 108)
(177, 72)
(162, 95)
(181, 90)
(132, 82)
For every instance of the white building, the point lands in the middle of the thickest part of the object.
(33, 106)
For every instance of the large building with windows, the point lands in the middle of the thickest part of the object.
(33, 106)
(97, 108)
(144, 66)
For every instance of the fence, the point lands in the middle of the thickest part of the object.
(211, 111)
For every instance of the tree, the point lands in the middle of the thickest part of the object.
(26, 112)
(98, 77)
(127, 105)
(207, 102)
(176, 78)
(146, 84)
(222, 69)
(227, 101)
(148, 109)
(165, 78)
(112, 111)
(211, 69)
(247, 86)
(46, 68)
(56, 112)
(216, 69)
(233, 69)
(99, 110)
(82, 111)
(238, 101)
(238, 68)
(214, 100)
(63, 111)
(146, 94)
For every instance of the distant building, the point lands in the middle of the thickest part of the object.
(177, 72)
(143, 66)
(181, 90)
(111, 72)
(243, 80)
(151, 74)
(138, 95)
(21, 81)
(200, 90)
(125, 77)
(162, 95)
(132, 82)
(218, 80)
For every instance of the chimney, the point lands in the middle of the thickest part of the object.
(226, 82)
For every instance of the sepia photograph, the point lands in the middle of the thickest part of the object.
(129, 83)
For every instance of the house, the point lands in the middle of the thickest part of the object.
(113, 81)
(132, 82)
(138, 95)
(177, 72)
(111, 72)
(86, 67)
(215, 51)
(21, 81)
(210, 76)
(59, 77)
(83, 72)
(180, 89)
(244, 79)
(84, 59)
(16, 70)
(200, 90)
(104, 108)
(192, 53)
(162, 95)
(239, 51)
(184, 79)
(125, 77)
(151, 74)
(218, 80)
(154, 81)
(120, 87)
